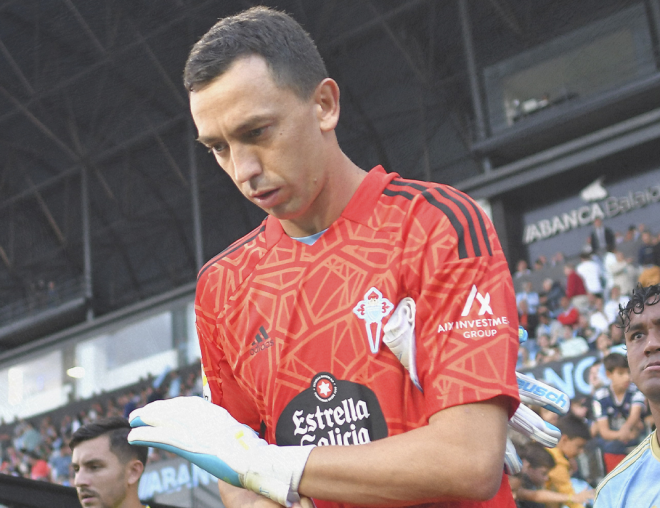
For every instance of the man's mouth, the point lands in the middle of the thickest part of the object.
(85, 496)
(265, 198)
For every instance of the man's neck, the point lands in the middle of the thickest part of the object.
(342, 182)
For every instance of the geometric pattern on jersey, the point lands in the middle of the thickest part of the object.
(274, 313)
(635, 482)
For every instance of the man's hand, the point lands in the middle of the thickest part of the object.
(207, 435)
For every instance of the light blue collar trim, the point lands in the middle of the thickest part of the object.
(310, 240)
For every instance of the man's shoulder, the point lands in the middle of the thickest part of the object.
(240, 248)
(616, 489)
(435, 205)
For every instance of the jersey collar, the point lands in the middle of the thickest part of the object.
(359, 208)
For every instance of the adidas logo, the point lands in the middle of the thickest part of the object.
(261, 342)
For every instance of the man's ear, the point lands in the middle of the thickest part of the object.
(326, 98)
(135, 468)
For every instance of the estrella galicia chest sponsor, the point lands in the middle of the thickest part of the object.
(331, 412)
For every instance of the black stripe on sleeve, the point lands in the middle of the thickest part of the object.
(412, 185)
(479, 213)
(232, 248)
(404, 194)
(468, 218)
(458, 227)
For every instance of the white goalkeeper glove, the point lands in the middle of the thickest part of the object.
(399, 336)
(207, 435)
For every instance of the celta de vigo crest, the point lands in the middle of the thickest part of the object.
(373, 309)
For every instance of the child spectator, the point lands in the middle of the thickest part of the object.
(574, 436)
(537, 464)
(618, 410)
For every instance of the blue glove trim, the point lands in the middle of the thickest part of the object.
(210, 463)
(137, 422)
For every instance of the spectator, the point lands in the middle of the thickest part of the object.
(552, 292)
(540, 263)
(583, 329)
(591, 274)
(575, 288)
(39, 469)
(537, 464)
(522, 270)
(574, 436)
(60, 463)
(526, 319)
(547, 351)
(612, 306)
(572, 345)
(547, 325)
(646, 256)
(618, 411)
(598, 321)
(602, 238)
(621, 272)
(603, 344)
(568, 314)
(532, 297)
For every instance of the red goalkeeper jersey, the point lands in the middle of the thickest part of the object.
(291, 334)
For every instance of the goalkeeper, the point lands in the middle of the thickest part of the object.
(291, 317)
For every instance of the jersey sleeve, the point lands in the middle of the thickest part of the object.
(220, 385)
(467, 324)
(638, 398)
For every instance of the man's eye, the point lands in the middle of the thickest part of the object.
(255, 133)
(219, 148)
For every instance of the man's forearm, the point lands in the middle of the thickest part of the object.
(459, 455)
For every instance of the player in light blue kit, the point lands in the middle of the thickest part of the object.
(635, 482)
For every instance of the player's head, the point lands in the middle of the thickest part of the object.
(537, 463)
(641, 325)
(574, 435)
(617, 371)
(290, 53)
(264, 107)
(107, 469)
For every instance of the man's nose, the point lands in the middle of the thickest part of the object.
(245, 163)
(80, 479)
(653, 341)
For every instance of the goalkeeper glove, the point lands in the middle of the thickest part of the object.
(207, 435)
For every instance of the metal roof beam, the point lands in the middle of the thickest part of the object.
(108, 59)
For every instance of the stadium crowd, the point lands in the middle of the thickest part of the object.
(569, 308)
(38, 448)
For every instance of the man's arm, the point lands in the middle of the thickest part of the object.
(548, 496)
(458, 455)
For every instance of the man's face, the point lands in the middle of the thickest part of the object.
(101, 479)
(643, 345)
(265, 137)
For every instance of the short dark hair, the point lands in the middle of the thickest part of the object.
(573, 427)
(537, 456)
(641, 296)
(615, 361)
(117, 429)
(289, 51)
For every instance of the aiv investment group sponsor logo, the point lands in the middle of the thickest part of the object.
(331, 412)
